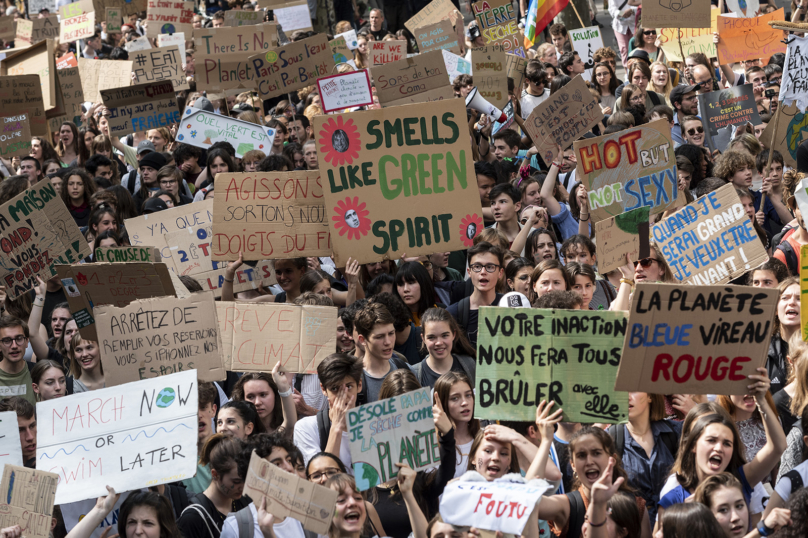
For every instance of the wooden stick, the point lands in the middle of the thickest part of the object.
(681, 50)
(572, 3)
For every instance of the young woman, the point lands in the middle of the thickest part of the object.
(264, 391)
(294, 152)
(616, 511)
(85, 364)
(353, 517)
(86, 135)
(786, 324)
(239, 419)
(345, 341)
(288, 273)
(791, 400)
(414, 286)
(660, 81)
(582, 281)
(369, 271)
(691, 520)
(71, 149)
(106, 239)
(361, 53)
(606, 83)
(48, 380)
(251, 159)
(768, 275)
(219, 161)
(43, 151)
(541, 245)
(454, 391)
(447, 347)
(517, 276)
(280, 136)
(103, 219)
(144, 514)
(749, 207)
(318, 281)
(78, 189)
(550, 275)
(161, 138)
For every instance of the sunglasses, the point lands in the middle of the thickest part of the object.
(649, 32)
(692, 132)
(645, 263)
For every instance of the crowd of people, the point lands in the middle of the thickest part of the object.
(683, 465)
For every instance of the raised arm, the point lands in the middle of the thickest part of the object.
(406, 479)
(90, 522)
(623, 299)
(38, 344)
(547, 188)
(229, 276)
(287, 428)
(768, 457)
(555, 508)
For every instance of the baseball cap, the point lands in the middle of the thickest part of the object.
(679, 91)
(640, 55)
(144, 147)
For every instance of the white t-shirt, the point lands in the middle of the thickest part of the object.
(290, 528)
(529, 102)
(463, 459)
(783, 487)
(307, 439)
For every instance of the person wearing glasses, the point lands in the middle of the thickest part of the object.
(693, 131)
(685, 103)
(15, 377)
(606, 83)
(170, 180)
(654, 268)
(646, 39)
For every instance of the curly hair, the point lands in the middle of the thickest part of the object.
(791, 179)
(729, 162)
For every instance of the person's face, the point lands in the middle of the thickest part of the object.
(28, 168)
(197, 21)
(27, 428)
(748, 207)
(351, 218)
(713, 450)
(503, 208)
(103, 123)
(300, 162)
(88, 355)
(580, 254)
(410, 293)
(348, 385)
(36, 149)
(684, 179)
(763, 278)
(298, 133)
(485, 281)
(461, 402)
(230, 484)
(230, 423)
(445, 530)
(345, 341)
(104, 171)
(261, 395)
(310, 155)
(14, 343)
(57, 184)
(323, 288)
(744, 402)
(250, 166)
(218, 23)
(550, 56)
(51, 385)
(376, 20)
(638, 78)
(742, 177)
(652, 273)
(142, 522)
(288, 275)
(788, 307)
(603, 76)
(88, 140)
(350, 515)
(218, 166)
(439, 259)
(66, 135)
(775, 173)
(375, 269)
(205, 420)
(381, 340)
(492, 459)
(362, 46)
(638, 404)
(748, 64)
(693, 132)
(584, 287)
(568, 159)
(690, 104)
(550, 280)
(170, 184)
(148, 175)
(167, 199)
(659, 74)
(279, 457)
(438, 337)
(559, 41)
(701, 75)
(107, 243)
(757, 78)
(577, 65)
(545, 249)
(531, 195)
(321, 469)
(70, 329)
(730, 510)
(589, 459)
(502, 150)
(484, 186)
(107, 222)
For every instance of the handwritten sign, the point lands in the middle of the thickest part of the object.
(146, 231)
(567, 356)
(293, 16)
(693, 39)
(383, 52)
(76, 23)
(130, 436)
(68, 60)
(490, 74)
(166, 40)
(563, 118)
(256, 336)
(161, 64)
(99, 75)
(623, 234)
(127, 254)
(10, 448)
(8, 28)
(140, 43)
(792, 129)
(497, 21)
(515, 67)
(340, 50)
(37, 59)
(169, 17)
(421, 78)
(203, 129)
(27, 499)
(794, 85)
(351, 41)
(724, 109)
(222, 54)
(241, 17)
(114, 19)
(390, 431)
(343, 91)
(748, 38)
(288, 495)
(438, 36)
(456, 65)
(695, 340)
(292, 67)
(127, 7)
(665, 14)
(585, 41)
(34, 31)
(141, 107)
(24, 92)
(630, 169)
(246, 278)
(15, 136)
(435, 11)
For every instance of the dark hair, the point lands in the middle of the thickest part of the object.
(774, 265)
(460, 344)
(246, 410)
(107, 234)
(695, 156)
(191, 284)
(560, 300)
(613, 82)
(36, 162)
(708, 185)
(48, 151)
(484, 247)
(507, 189)
(19, 405)
(94, 162)
(510, 137)
(398, 382)
(533, 239)
(125, 204)
(329, 455)
(535, 73)
(798, 504)
(337, 367)
(690, 520)
(373, 314)
(9, 322)
(224, 155)
(548, 265)
(661, 110)
(265, 443)
(395, 305)
(238, 394)
(763, 158)
(625, 514)
(375, 285)
(311, 278)
(778, 58)
(89, 185)
(165, 515)
(183, 152)
(772, 69)
(578, 240)
(559, 81)
(485, 168)
(686, 459)
(98, 213)
(608, 446)
(566, 60)
(43, 366)
(289, 151)
(415, 273)
(516, 265)
(275, 163)
(574, 269)
(223, 453)
(348, 314)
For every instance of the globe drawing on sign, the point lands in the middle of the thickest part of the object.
(167, 29)
(166, 397)
(366, 476)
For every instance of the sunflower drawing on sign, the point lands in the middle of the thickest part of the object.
(350, 217)
(470, 227)
(340, 142)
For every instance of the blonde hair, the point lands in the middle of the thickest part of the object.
(75, 369)
(798, 353)
(666, 89)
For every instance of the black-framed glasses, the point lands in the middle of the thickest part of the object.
(19, 340)
(649, 32)
(692, 132)
(489, 267)
(645, 263)
(168, 182)
(328, 473)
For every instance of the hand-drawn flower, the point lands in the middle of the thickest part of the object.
(351, 218)
(339, 141)
(193, 134)
(470, 226)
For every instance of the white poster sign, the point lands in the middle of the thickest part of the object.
(10, 449)
(203, 129)
(294, 18)
(166, 40)
(455, 65)
(350, 38)
(794, 88)
(343, 91)
(585, 41)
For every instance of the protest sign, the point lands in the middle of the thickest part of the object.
(792, 129)
(241, 17)
(568, 356)
(794, 85)
(34, 31)
(293, 16)
(702, 340)
(433, 12)
(127, 254)
(120, 436)
(222, 54)
(411, 78)
(246, 277)
(27, 500)
(140, 43)
(161, 64)
(24, 30)
(71, 93)
(15, 135)
(630, 169)
(345, 91)
(203, 129)
(77, 21)
(489, 65)
(256, 336)
(710, 241)
(350, 39)
(722, 110)
(693, 39)
(667, 14)
(92, 285)
(10, 448)
(293, 66)
(515, 69)
(166, 40)
(269, 215)
(127, 7)
(474, 503)
(169, 17)
(146, 231)
(35, 60)
(97, 75)
(623, 234)
(141, 107)
(68, 60)
(288, 495)
(752, 38)
(392, 187)
(114, 19)
(457, 65)
(383, 52)
(340, 50)
(24, 92)
(563, 118)
(156, 337)
(508, 111)
(585, 41)
(391, 431)
(497, 21)
(438, 36)
(8, 28)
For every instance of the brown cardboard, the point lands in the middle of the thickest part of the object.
(490, 74)
(718, 335)
(91, 285)
(438, 36)
(438, 94)
(15, 135)
(71, 93)
(141, 107)
(240, 17)
(792, 127)
(340, 50)
(563, 118)
(127, 7)
(164, 63)
(383, 52)
(620, 235)
(160, 336)
(34, 31)
(148, 230)
(97, 75)
(114, 19)
(222, 55)
(77, 21)
(436, 208)
(127, 254)
(664, 14)
(27, 499)
(24, 93)
(245, 279)
(169, 17)
(8, 28)
(262, 334)
(269, 215)
(498, 24)
(288, 495)
(276, 74)
(410, 77)
(515, 69)
(749, 38)
(37, 60)
(435, 11)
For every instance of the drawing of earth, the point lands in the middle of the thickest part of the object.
(365, 475)
(167, 29)
(166, 397)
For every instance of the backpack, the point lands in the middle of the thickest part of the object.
(577, 514)
(618, 434)
(791, 257)
(213, 530)
(796, 480)
(464, 312)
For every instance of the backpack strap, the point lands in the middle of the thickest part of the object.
(299, 382)
(670, 440)
(577, 514)
(618, 434)
(323, 426)
(791, 257)
(246, 526)
(796, 479)
(199, 509)
(464, 313)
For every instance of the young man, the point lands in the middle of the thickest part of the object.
(537, 90)
(205, 413)
(580, 248)
(376, 331)
(30, 167)
(772, 183)
(506, 200)
(15, 379)
(172, 185)
(485, 270)
(506, 144)
(560, 37)
(685, 103)
(299, 129)
(570, 64)
(26, 422)
(99, 166)
(310, 155)
(408, 336)
(187, 159)
(486, 180)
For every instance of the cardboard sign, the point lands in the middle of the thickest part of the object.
(515, 69)
(166, 40)
(693, 39)
(350, 39)
(169, 17)
(457, 65)
(473, 503)
(710, 241)
(340, 50)
(203, 129)
(127, 7)
(630, 169)
(127, 254)
(412, 193)
(722, 110)
(141, 107)
(76, 23)
(390, 431)
(35, 30)
(748, 38)
(24, 92)
(497, 21)
(114, 19)
(398, 82)
(97, 75)
(222, 55)
(490, 74)
(269, 215)
(156, 337)
(292, 67)
(438, 36)
(695, 340)
(8, 28)
(256, 336)
(569, 356)
(161, 64)
(384, 52)
(288, 495)
(130, 436)
(563, 118)
(15, 136)
(435, 11)
(667, 14)
(585, 41)
(246, 278)
(794, 85)
(37, 59)
(294, 16)
(623, 234)
(27, 499)
(10, 448)
(792, 129)
(146, 231)
(343, 91)
(91, 285)
(71, 93)
(240, 17)
(68, 60)
(141, 43)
